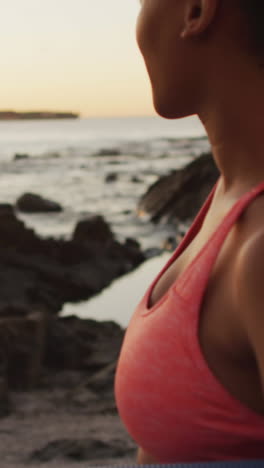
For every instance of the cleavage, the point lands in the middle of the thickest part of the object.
(190, 251)
(170, 276)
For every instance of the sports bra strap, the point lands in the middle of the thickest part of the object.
(200, 267)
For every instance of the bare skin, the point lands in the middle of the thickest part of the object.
(199, 63)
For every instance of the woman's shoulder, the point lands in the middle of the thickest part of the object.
(248, 277)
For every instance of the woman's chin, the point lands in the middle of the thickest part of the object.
(169, 110)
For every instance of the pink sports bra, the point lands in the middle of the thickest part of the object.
(169, 400)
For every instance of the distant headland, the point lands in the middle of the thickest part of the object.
(36, 115)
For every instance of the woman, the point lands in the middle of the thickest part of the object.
(190, 378)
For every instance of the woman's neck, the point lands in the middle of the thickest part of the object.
(233, 117)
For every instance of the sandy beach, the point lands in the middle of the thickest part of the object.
(63, 426)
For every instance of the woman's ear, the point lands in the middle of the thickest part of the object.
(198, 16)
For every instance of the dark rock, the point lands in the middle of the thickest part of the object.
(133, 255)
(79, 450)
(108, 152)
(12, 310)
(37, 277)
(82, 344)
(153, 252)
(92, 229)
(111, 177)
(19, 156)
(13, 233)
(49, 272)
(6, 209)
(29, 345)
(180, 194)
(130, 242)
(32, 203)
(22, 343)
(65, 348)
(136, 180)
(5, 405)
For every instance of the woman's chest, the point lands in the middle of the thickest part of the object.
(220, 336)
(188, 253)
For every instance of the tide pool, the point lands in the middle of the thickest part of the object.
(119, 300)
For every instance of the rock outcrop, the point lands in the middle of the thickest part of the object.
(20, 156)
(111, 177)
(92, 229)
(42, 274)
(35, 346)
(33, 203)
(180, 194)
(108, 152)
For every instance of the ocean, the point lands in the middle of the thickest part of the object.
(97, 165)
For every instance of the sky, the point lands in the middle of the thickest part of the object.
(76, 55)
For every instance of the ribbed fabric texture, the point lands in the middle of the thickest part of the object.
(170, 402)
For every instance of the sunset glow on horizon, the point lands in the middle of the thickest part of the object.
(72, 55)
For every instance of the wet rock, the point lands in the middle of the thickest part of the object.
(5, 405)
(33, 203)
(6, 209)
(108, 152)
(136, 180)
(87, 345)
(180, 194)
(103, 338)
(13, 234)
(133, 255)
(40, 345)
(65, 347)
(22, 341)
(49, 272)
(111, 177)
(19, 156)
(92, 229)
(130, 242)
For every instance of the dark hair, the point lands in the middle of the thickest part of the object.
(254, 11)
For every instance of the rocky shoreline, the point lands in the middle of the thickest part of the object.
(56, 374)
(43, 274)
(54, 368)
